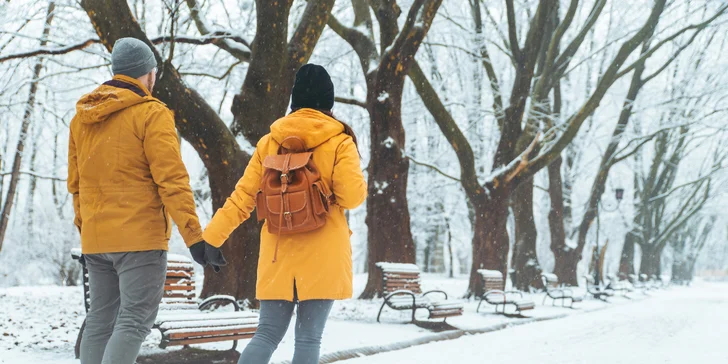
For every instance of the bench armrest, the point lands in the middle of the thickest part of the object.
(519, 293)
(209, 301)
(435, 291)
(494, 292)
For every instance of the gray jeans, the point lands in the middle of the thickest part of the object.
(275, 316)
(125, 290)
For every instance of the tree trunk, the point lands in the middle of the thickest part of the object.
(626, 260)
(490, 238)
(651, 259)
(388, 219)
(525, 260)
(29, 107)
(566, 258)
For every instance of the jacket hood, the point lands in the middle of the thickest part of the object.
(115, 95)
(314, 127)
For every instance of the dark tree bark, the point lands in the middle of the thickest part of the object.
(29, 107)
(565, 257)
(525, 261)
(650, 262)
(626, 259)
(266, 90)
(388, 219)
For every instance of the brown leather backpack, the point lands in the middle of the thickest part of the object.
(292, 196)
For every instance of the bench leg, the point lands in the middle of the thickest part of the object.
(479, 303)
(380, 310)
(77, 347)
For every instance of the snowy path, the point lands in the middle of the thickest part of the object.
(682, 325)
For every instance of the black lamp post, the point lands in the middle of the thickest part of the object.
(618, 195)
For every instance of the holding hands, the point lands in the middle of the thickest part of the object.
(203, 253)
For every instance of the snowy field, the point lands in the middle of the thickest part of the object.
(40, 324)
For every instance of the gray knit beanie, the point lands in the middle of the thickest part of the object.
(132, 57)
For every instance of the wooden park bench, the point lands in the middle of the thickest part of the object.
(553, 291)
(597, 291)
(183, 319)
(495, 294)
(402, 292)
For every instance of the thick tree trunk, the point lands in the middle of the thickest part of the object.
(651, 259)
(626, 260)
(29, 107)
(566, 258)
(388, 219)
(525, 260)
(490, 238)
(565, 266)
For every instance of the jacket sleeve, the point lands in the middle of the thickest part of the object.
(238, 206)
(73, 180)
(349, 185)
(161, 147)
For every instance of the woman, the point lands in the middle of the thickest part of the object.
(309, 269)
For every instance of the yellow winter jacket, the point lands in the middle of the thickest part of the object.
(319, 262)
(125, 171)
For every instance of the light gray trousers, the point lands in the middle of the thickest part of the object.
(125, 290)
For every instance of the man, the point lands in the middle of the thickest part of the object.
(126, 176)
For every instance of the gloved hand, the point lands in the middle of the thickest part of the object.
(203, 253)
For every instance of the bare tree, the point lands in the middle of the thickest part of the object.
(24, 128)
(490, 200)
(388, 218)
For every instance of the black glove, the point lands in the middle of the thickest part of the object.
(198, 252)
(214, 257)
(203, 253)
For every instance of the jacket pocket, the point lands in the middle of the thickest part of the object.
(167, 232)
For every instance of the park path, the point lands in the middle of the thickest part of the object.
(682, 325)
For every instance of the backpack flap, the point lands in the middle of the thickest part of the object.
(278, 162)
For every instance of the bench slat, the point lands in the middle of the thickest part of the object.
(208, 332)
(210, 339)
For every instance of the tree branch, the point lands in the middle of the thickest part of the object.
(360, 42)
(36, 175)
(308, 32)
(232, 49)
(433, 167)
(513, 31)
(450, 130)
(350, 101)
(208, 39)
(699, 27)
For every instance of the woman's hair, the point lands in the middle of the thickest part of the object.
(348, 130)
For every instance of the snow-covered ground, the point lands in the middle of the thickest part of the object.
(682, 325)
(40, 324)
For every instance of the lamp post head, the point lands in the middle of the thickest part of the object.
(619, 194)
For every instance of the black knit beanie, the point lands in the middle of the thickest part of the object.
(313, 89)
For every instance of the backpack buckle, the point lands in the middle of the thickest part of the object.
(285, 175)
